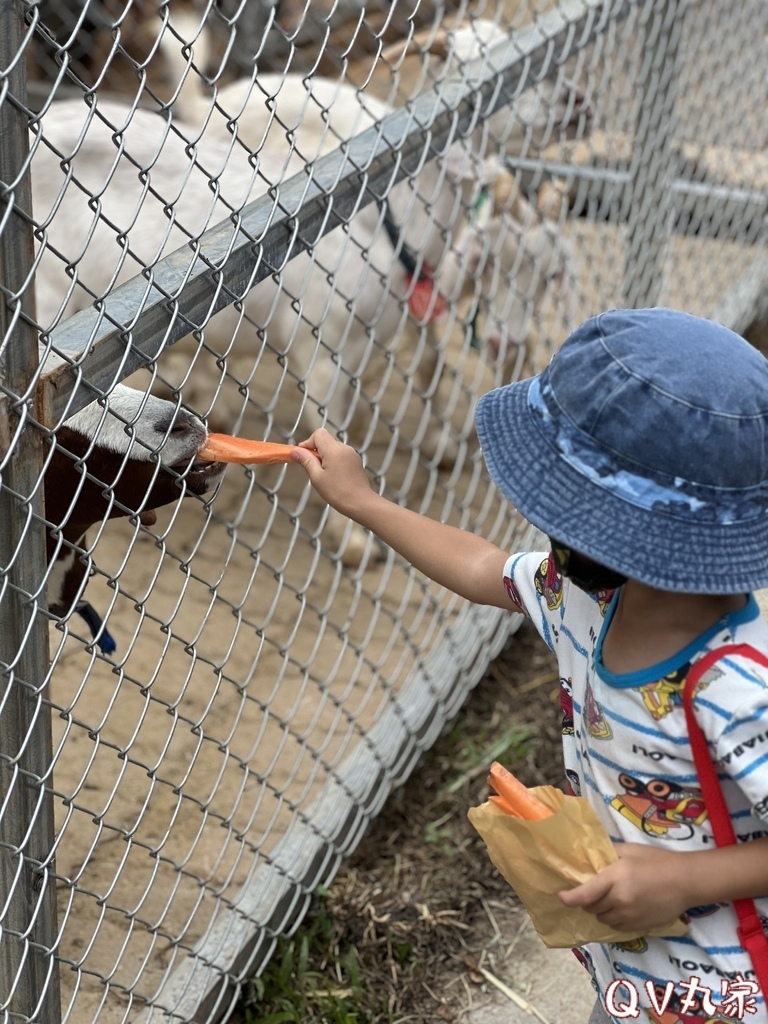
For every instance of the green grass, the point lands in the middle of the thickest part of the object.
(310, 978)
(385, 946)
(473, 752)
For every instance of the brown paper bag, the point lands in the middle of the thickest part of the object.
(541, 858)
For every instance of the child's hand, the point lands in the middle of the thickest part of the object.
(338, 475)
(644, 889)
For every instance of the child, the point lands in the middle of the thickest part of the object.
(642, 452)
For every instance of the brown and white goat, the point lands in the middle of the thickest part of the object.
(129, 457)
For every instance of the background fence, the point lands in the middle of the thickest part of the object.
(188, 750)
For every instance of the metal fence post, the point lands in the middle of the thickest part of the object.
(29, 989)
(649, 197)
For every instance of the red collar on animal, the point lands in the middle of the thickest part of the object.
(425, 301)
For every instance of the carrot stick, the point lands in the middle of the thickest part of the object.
(514, 793)
(502, 804)
(223, 448)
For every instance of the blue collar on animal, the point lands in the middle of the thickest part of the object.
(100, 633)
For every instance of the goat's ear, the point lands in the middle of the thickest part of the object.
(148, 517)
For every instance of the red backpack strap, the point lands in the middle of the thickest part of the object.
(750, 931)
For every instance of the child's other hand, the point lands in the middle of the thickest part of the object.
(338, 475)
(644, 889)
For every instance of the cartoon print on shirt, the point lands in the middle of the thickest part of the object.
(706, 911)
(574, 782)
(666, 694)
(594, 717)
(566, 704)
(549, 583)
(513, 593)
(661, 696)
(632, 945)
(660, 807)
(603, 598)
(584, 957)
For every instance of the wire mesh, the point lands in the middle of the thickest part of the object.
(268, 217)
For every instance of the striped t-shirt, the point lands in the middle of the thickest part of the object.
(626, 750)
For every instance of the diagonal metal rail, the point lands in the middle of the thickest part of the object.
(98, 347)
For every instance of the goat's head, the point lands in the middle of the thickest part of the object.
(126, 458)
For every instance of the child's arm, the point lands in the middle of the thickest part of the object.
(648, 887)
(457, 559)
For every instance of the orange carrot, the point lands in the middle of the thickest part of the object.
(502, 804)
(223, 448)
(516, 795)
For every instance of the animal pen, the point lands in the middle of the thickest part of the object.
(191, 746)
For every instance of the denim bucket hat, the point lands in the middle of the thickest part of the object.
(643, 445)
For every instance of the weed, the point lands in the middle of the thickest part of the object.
(310, 979)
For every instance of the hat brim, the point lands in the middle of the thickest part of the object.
(654, 547)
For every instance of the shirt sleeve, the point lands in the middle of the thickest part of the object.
(536, 589)
(742, 747)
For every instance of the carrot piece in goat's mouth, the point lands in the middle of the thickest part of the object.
(515, 796)
(224, 448)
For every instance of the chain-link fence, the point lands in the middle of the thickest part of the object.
(269, 217)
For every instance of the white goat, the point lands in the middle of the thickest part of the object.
(128, 457)
(349, 291)
(512, 255)
(518, 338)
